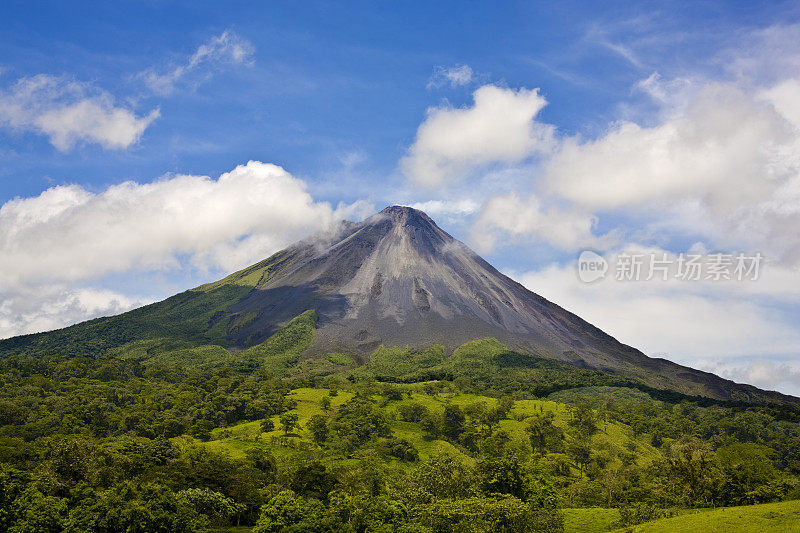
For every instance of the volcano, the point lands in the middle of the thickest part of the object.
(399, 279)
(395, 279)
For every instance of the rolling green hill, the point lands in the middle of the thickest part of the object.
(614, 437)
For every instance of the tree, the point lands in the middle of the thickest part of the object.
(544, 435)
(489, 514)
(267, 425)
(445, 475)
(491, 417)
(581, 452)
(285, 510)
(413, 412)
(216, 506)
(374, 514)
(453, 422)
(402, 449)
(747, 472)
(318, 426)
(135, 508)
(431, 424)
(690, 464)
(358, 421)
(504, 406)
(264, 461)
(39, 513)
(503, 475)
(584, 420)
(326, 403)
(313, 480)
(70, 460)
(289, 421)
(12, 483)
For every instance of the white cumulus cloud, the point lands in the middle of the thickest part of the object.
(500, 127)
(68, 233)
(526, 216)
(723, 163)
(764, 373)
(448, 208)
(47, 307)
(69, 112)
(708, 157)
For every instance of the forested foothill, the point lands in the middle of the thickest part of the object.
(108, 443)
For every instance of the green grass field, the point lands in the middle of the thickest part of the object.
(783, 517)
(591, 520)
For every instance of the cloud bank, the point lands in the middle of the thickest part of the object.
(715, 159)
(731, 329)
(724, 165)
(498, 128)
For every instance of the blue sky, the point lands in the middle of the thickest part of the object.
(326, 81)
(529, 130)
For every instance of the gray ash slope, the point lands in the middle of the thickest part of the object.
(398, 279)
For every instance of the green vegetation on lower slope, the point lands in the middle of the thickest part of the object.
(783, 517)
(484, 364)
(171, 431)
(283, 348)
(276, 354)
(108, 443)
(197, 316)
(396, 363)
(184, 317)
(489, 365)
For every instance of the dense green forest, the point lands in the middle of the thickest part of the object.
(161, 436)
